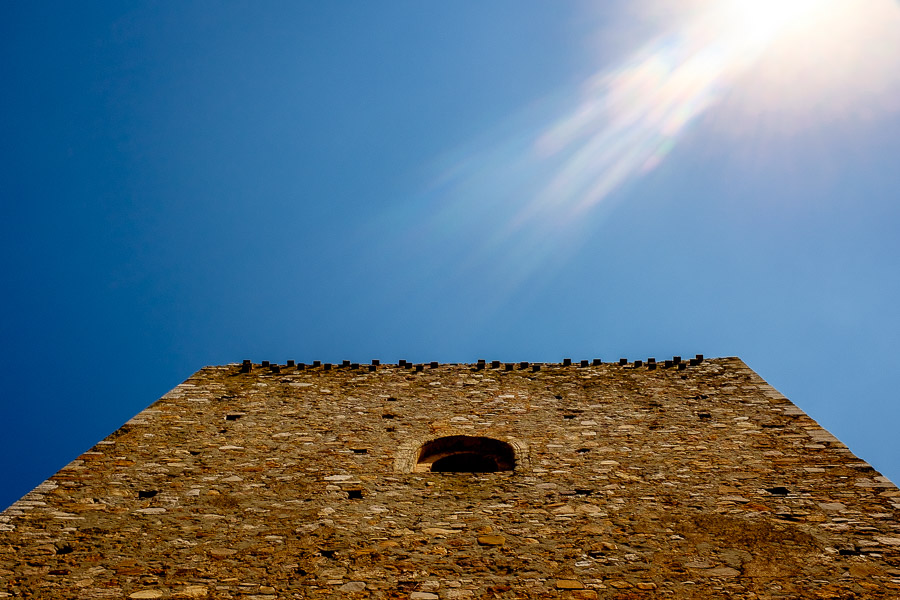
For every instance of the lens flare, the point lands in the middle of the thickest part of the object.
(803, 59)
(758, 21)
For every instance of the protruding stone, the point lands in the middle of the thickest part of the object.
(438, 531)
(353, 586)
(888, 540)
(491, 540)
(569, 584)
(153, 510)
(620, 584)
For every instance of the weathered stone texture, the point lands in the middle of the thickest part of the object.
(629, 483)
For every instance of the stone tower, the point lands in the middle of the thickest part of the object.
(629, 480)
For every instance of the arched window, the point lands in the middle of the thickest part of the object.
(465, 454)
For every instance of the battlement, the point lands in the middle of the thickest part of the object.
(581, 479)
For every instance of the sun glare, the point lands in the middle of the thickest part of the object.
(790, 58)
(758, 71)
(761, 20)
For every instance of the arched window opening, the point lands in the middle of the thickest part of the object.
(465, 454)
(464, 462)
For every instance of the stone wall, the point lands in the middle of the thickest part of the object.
(629, 482)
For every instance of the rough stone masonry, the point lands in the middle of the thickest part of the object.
(488, 480)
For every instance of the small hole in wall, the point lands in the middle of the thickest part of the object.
(233, 417)
(388, 416)
(354, 494)
(704, 415)
(327, 553)
(390, 429)
(147, 493)
(583, 450)
(568, 416)
(583, 492)
(778, 491)
(789, 517)
(360, 450)
(391, 399)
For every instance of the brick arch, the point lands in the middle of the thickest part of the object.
(461, 452)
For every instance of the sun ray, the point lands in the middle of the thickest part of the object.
(795, 56)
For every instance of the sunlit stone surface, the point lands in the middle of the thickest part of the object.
(602, 481)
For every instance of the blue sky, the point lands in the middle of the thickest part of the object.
(185, 184)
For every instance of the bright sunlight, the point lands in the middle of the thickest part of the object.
(768, 68)
(761, 20)
(783, 55)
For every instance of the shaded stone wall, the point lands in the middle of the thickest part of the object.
(701, 482)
